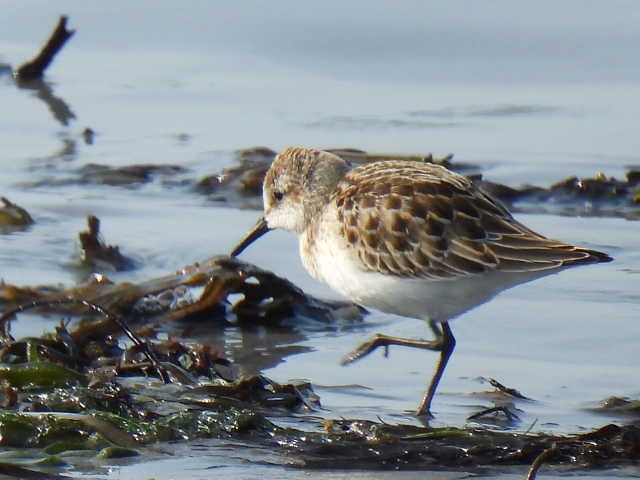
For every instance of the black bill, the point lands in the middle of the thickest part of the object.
(258, 230)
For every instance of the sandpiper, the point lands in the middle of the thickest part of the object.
(408, 238)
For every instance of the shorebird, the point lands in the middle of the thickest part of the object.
(409, 238)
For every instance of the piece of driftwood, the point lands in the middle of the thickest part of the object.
(34, 69)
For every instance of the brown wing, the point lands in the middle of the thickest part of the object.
(421, 220)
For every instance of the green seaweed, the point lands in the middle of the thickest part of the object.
(40, 374)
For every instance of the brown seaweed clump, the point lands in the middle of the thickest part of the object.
(597, 196)
(241, 185)
(218, 289)
(126, 176)
(96, 254)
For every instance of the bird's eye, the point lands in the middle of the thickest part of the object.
(278, 196)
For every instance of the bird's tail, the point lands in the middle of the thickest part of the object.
(588, 256)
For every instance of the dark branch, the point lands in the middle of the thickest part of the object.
(34, 69)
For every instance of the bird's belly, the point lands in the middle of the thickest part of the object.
(332, 262)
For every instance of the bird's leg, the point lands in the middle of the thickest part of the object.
(435, 328)
(444, 343)
(447, 344)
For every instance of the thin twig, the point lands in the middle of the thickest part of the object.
(146, 349)
(539, 460)
(511, 416)
(504, 389)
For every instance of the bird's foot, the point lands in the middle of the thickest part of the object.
(365, 348)
(424, 417)
(423, 412)
(381, 340)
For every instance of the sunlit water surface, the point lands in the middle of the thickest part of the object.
(530, 94)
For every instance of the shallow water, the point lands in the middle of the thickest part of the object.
(530, 93)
